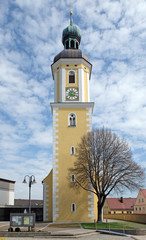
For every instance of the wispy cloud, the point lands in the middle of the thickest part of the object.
(113, 37)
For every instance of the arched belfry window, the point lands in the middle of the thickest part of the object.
(71, 77)
(67, 45)
(72, 120)
(72, 43)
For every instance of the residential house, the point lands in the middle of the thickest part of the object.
(119, 205)
(140, 204)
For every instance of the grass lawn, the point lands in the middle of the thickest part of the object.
(111, 225)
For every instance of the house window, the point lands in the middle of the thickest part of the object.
(142, 200)
(114, 212)
(72, 178)
(143, 208)
(71, 77)
(136, 209)
(72, 150)
(73, 207)
(139, 200)
(140, 209)
(72, 120)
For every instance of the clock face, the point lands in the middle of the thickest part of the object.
(72, 94)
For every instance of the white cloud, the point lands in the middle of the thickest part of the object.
(113, 37)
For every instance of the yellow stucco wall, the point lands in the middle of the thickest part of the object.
(68, 137)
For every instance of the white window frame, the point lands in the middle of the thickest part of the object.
(72, 207)
(74, 75)
(73, 178)
(69, 115)
(72, 150)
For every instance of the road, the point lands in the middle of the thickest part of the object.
(95, 236)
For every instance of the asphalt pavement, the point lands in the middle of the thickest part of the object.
(63, 233)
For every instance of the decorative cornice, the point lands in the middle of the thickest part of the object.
(73, 105)
(70, 61)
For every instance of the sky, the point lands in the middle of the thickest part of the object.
(114, 39)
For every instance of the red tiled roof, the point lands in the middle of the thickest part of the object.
(116, 204)
(144, 192)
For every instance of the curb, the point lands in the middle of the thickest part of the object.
(45, 234)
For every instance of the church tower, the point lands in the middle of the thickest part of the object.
(72, 118)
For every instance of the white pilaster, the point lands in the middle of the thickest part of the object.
(88, 86)
(81, 84)
(89, 119)
(91, 205)
(55, 87)
(55, 163)
(45, 199)
(62, 84)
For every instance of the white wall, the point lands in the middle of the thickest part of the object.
(6, 193)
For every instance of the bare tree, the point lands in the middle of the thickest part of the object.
(104, 163)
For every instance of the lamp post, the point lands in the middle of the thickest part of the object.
(31, 181)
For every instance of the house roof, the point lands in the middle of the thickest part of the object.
(6, 180)
(121, 203)
(144, 192)
(25, 202)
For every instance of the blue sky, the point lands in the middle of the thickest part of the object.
(114, 39)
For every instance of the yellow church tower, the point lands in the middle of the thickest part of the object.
(72, 118)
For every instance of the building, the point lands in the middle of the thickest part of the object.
(140, 204)
(72, 118)
(118, 205)
(6, 192)
(21, 206)
(10, 205)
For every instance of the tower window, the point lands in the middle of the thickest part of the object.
(72, 150)
(72, 120)
(72, 43)
(73, 207)
(76, 45)
(71, 77)
(67, 45)
(72, 178)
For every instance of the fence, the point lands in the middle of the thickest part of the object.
(139, 218)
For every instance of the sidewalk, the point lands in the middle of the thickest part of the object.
(139, 237)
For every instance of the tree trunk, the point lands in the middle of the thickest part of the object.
(99, 215)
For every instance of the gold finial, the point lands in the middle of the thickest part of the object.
(70, 13)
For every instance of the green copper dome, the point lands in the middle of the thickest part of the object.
(71, 36)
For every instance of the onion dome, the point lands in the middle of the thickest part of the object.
(71, 36)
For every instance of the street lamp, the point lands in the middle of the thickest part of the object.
(31, 181)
